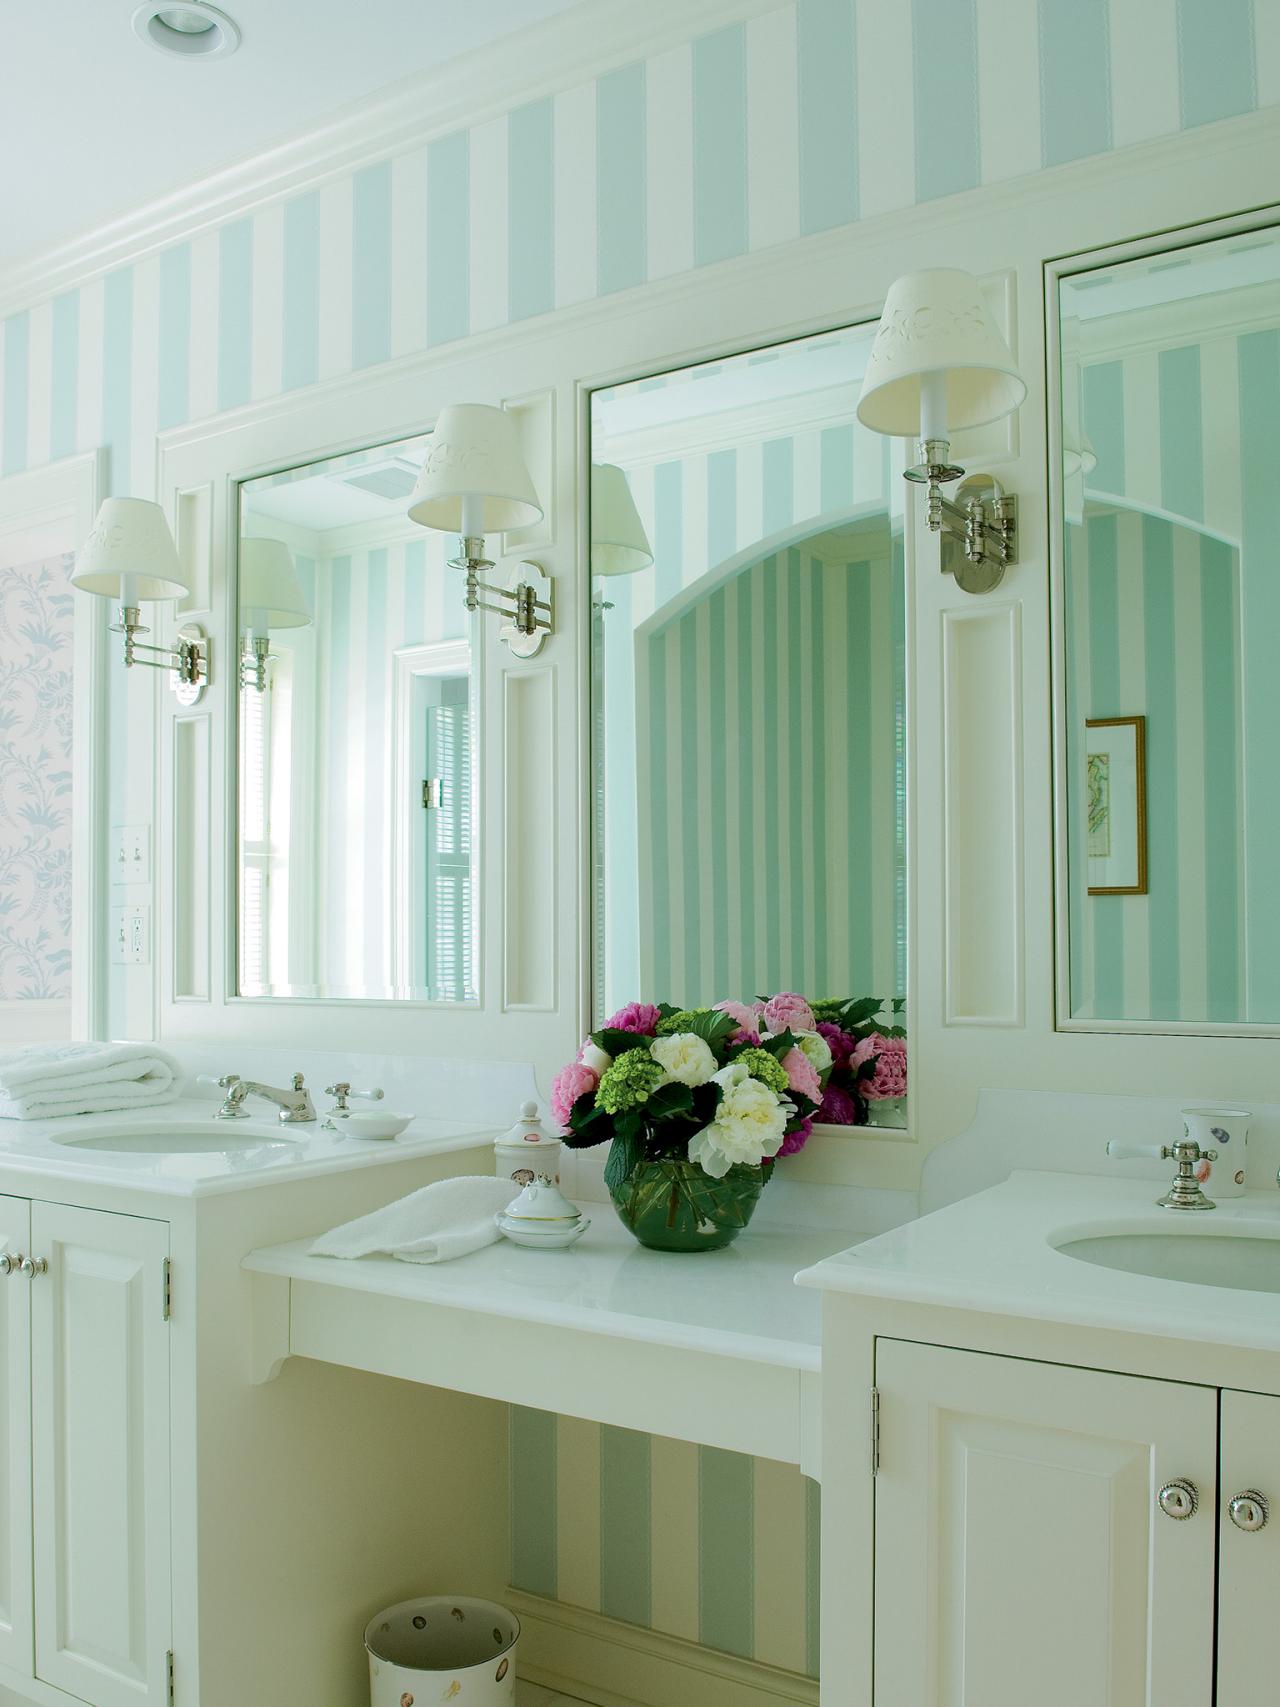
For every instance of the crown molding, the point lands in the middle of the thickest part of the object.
(559, 53)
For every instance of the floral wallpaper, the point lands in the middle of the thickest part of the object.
(35, 780)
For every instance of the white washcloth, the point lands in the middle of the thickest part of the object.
(448, 1219)
(55, 1079)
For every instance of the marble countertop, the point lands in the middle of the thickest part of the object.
(220, 1156)
(997, 1253)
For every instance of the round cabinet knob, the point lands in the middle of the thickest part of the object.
(8, 1263)
(32, 1266)
(1179, 1499)
(1250, 1510)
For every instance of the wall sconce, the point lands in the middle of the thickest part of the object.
(474, 482)
(130, 556)
(271, 596)
(939, 364)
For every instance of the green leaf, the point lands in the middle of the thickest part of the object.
(779, 1046)
(669, 1100)
(713, 1027)
(625, 1151)
(861, 1009)
(587, 1124)
(617, 1043)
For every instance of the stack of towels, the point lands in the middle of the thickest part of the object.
(52, 1080)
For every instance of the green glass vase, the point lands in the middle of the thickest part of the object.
(675, 1206)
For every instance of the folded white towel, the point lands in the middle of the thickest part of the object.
(448, 1219)
(55, 1079)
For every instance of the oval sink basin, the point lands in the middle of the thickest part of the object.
(1244, 1261)
(183, 1138)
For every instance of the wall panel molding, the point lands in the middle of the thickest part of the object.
(982, 815)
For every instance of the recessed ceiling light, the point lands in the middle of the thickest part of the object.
(189, 29)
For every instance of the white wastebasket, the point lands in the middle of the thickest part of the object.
(442, 1650)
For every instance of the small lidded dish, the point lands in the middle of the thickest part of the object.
(542, 1216)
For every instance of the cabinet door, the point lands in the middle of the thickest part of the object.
(100, 1421)
(1249, 1558)
(15, 1443)
(1021, 1554)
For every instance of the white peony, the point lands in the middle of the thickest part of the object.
(685, 1057)
(749, 1125)
(813, 1045)
(591, 1055)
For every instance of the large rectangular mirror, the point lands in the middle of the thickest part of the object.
(1169, 634)
(358, 841)
(748, 688)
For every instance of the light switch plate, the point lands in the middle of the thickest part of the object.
(131, 854)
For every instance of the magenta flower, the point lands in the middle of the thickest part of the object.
(839, 1043)
(570, 1083)
(838, 1108)
(802, 1075)
(639, 1017)
(799, 1138)
(788, 1012)
(890, 1076)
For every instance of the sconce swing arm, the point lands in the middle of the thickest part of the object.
(979, 527)
(518, 605)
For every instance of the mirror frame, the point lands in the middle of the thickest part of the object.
(1055, 271)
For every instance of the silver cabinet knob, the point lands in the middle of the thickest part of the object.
(32, 1266)
(1250, 1510)
(1179, 1499)
(9, 1262)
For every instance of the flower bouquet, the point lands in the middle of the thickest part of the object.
(695, 1105)
(868, 1059)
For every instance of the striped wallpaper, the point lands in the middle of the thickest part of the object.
(770, 856)
(692, 1541)
(1174, 610)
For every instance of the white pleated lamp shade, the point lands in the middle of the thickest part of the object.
(938, 322)
(474, 458)
(271, 594)
(130, 550)
(619, 544)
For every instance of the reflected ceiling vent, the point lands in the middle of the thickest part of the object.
(393, 479)
(187, 29)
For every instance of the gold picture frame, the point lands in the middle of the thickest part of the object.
(1116, 806)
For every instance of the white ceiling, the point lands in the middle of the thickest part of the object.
(94, 122)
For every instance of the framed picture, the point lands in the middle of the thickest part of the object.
(1116, 805)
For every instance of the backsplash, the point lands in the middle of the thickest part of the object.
(690, 1541)
(35, 781)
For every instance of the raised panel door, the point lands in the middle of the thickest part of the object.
(1021, 1554)
(1248, 1558)
(15, 1442)
(100, 1455)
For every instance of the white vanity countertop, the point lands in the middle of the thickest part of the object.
(218, 1156)
(739, 1301)
(996, 1252)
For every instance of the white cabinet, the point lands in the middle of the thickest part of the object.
(1248, 1556)
(84, 1454)
(15, 1442)
(1021, 1553)
(100, 1454)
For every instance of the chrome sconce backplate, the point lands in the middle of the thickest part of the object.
(527, 602)
(187, 660)
(979, 527)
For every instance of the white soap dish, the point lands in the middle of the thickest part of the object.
(374, 1125)
(542, 1216)
(552, 1236)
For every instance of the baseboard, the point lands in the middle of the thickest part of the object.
(620, 1665)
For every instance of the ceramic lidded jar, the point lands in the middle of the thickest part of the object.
(528, 1152)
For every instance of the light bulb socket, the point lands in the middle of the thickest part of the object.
(935, 467)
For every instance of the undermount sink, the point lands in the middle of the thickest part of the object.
(183, 1138)
(1245, 1260)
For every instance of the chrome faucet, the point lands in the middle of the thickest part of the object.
(295, 1105)
(1185, 1192)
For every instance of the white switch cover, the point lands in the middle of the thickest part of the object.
(131, 936)
(131, 854)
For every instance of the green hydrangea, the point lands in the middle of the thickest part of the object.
(765, 1067)
(629, 1082)
(684, 1020)
(829, 1011)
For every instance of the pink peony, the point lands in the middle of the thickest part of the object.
(799, 1138)
(838, 1108)
(802, 1075)
(839, 1043)
(640, 1017)
(788, 1012)
(890, 1076)
(747, 1018)
(571, 1082)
